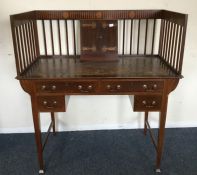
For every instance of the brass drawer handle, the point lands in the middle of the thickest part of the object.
(147, 105)
(90, 87)
(118, 87)
(152, 88)
(155, 86)
(80, 87)
(43, 87)
(108, 86)
(144, 102)
(45, 103)
(145, 86)
(53, 87)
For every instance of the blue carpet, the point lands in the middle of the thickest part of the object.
(108, 152)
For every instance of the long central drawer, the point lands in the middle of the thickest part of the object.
(99, 86)
(67, 87)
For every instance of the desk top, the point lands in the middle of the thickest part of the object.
(127, 67)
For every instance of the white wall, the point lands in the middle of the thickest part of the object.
(106, 112)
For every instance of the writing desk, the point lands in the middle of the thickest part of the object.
(147, 78)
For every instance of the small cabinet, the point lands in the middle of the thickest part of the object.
(99, 41)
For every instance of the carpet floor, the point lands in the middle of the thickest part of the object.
(106, 152)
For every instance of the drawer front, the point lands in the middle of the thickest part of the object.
(116, 86)
(148, 86)
(81, 87)
(51, 103)
(147, 103)
(131, 86)
(67, 87)
(50, 87)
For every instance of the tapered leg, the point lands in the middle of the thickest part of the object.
(38, 137)
(53, 121)
(145, 120)
(161, 132)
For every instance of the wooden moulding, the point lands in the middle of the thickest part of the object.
(99, 14)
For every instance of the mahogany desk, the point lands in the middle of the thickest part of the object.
(101, 69)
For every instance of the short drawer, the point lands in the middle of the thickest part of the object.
(147, 103)
(50, 87)
(116, 86)
(67, 87)
(51, 103)
(148, 86)
(81, 87)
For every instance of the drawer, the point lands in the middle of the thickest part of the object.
(147, 103)
(51, 87)
(81, 87)
(148, 86)
(116, 86)
(131, 86)
(67, 87)
(51, 103)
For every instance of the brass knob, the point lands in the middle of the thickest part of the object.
(153, 102)
(53, 87)
(118, 86)
(90, 87)
(54, 102)
(43, 87)
(44, 102)
(144, 102)
(80, 87)
(145, 86)
(108, 86)
(155, 86)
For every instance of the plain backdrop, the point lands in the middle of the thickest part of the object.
(95, 112)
